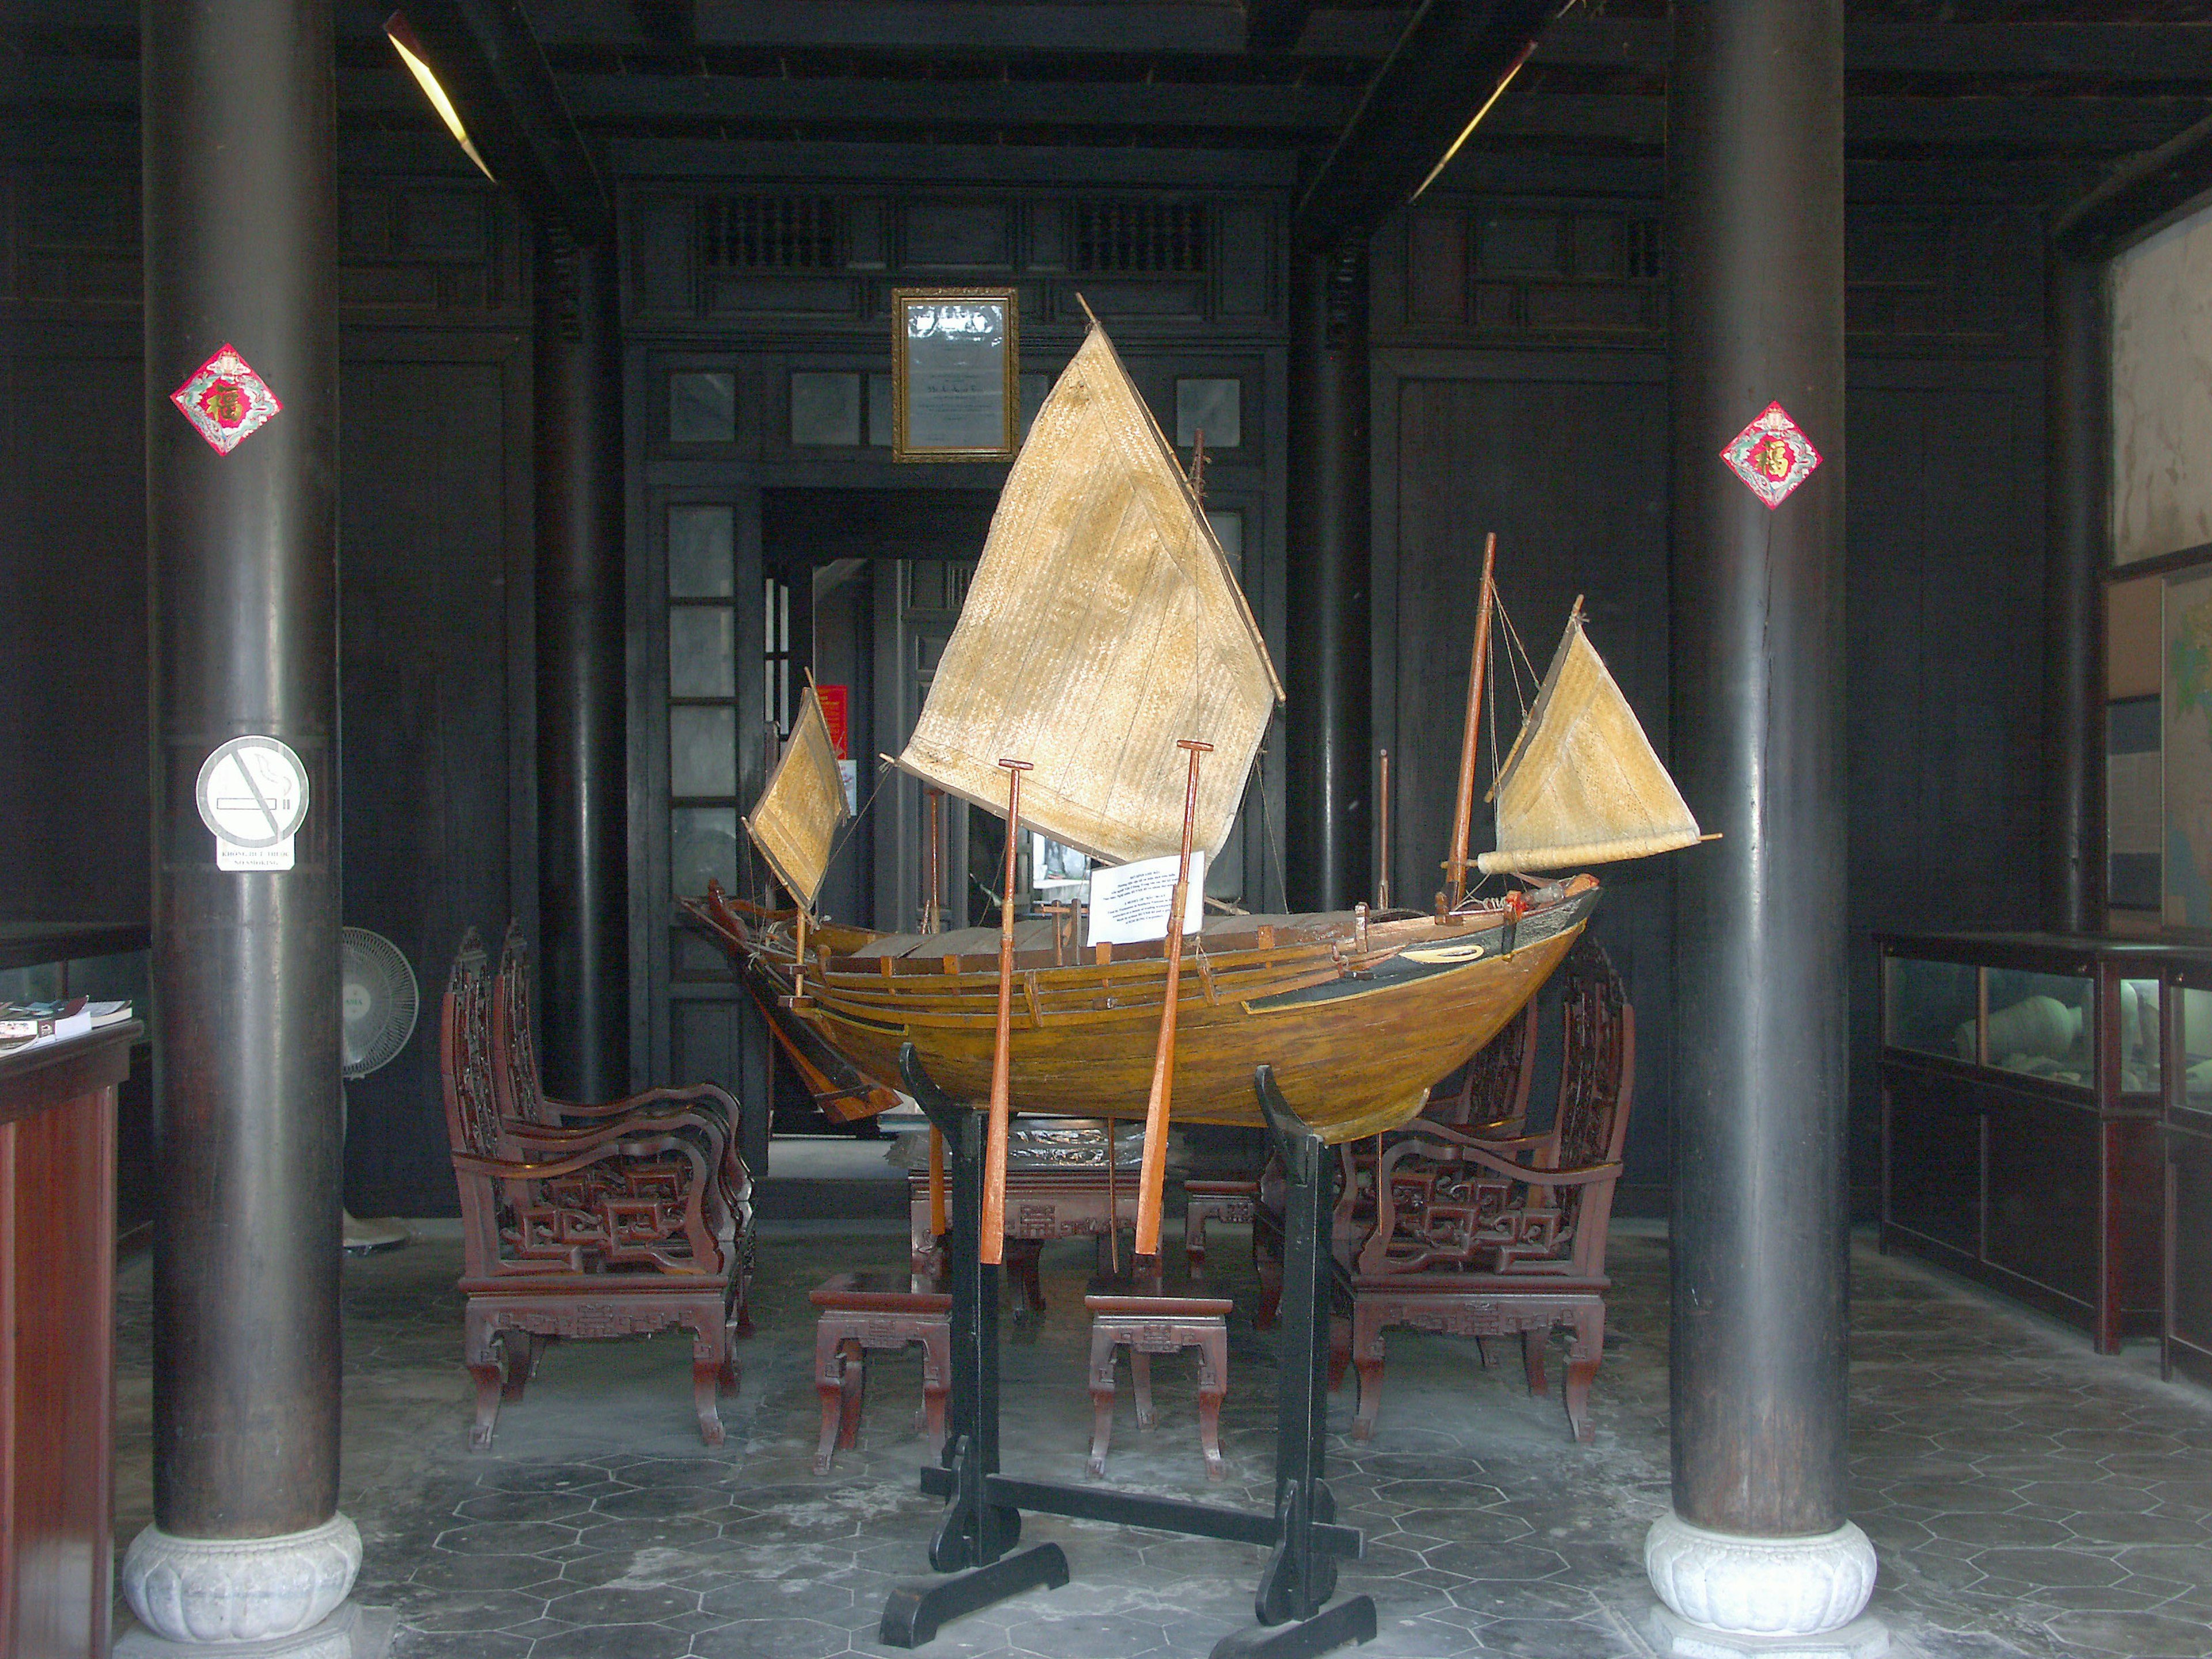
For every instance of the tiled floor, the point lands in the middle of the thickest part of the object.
(2025, 1496)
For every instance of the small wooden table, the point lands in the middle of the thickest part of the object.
(1041, 1205)
(1145, 1321)
(864, 1310)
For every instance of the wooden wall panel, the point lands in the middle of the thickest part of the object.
(1944, 610)
(73, 831)
(426, 745)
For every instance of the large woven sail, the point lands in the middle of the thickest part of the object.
(797, 816)
(1583, 785)
(1102, 623)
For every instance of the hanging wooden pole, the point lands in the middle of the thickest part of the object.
(1463, 811)
(1152, 1178)
(936, 1182)
(799, 961)
(1383, 808)
(932, 914)
(992, 1245)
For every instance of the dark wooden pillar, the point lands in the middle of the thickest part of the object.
(1754, 183)
(1329, 807)
(2078, 404)
(583, 772)
(239, 205)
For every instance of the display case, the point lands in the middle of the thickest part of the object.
(2187, 1346)
(2022, 1082)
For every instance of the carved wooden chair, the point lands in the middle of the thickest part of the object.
(1488, 1096)
(524, 1104)
(619, 1229)
(1496, 1236)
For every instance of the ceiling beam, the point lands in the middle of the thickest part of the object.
(1444, 67)
(492, 68)
(2143, 195)
(860, 103)
(1274, 25)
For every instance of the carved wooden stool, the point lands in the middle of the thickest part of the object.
(864, 1310)
(1148, 1324)
(1212, 1200)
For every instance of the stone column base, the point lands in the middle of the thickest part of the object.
(1676, 1638)
(1725, 1587)
(351, 1632)
(226, 1592)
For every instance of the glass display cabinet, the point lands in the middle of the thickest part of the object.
(2021, 1089)
(2188, 1039)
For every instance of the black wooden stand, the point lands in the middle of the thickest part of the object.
(983, 1515)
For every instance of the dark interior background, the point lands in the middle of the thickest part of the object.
(1518, 334)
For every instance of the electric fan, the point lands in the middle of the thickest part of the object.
(377, 1004)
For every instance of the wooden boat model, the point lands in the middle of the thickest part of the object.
(1103, 650)
(1357, 1014)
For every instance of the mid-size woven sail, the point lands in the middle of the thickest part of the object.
(1583, 785)
(1102, 623)
(797, 816)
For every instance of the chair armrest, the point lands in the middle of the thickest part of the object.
(611, 1147)
(708, 1093)
(1462, 1151)
(555, 1137)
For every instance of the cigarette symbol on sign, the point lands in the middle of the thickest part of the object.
(252, 792)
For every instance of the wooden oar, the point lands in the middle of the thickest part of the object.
(1152, 1178)
(1463, 809)
(993, 1243)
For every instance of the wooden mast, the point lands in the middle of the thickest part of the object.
(993, 1242)
(1152, 1178)
(1463, 811)
(1382, 832)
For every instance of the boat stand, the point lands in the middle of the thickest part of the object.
(983, 1514)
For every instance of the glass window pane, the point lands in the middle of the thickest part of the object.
(1229, 530)
(1214, 407)
(702, 408)
(825, 409)
(699, 566)
(1931, 1007)
(2044, 1024)
(702, 842)
(2139, 1068)
(702, 751)
(879, 410)
(2196, 1045)
(702, 656)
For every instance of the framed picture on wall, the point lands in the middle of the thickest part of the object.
(956, 375)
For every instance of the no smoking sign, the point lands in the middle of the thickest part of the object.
(252, 795)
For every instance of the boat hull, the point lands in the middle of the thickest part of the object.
(1353, 1051)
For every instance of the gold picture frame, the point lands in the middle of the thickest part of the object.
(956, 373)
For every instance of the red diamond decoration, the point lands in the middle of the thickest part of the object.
(225, 400)
(1771, 455)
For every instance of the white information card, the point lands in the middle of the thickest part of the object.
(1129, 903)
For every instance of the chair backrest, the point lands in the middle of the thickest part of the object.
(1493, 1086)
(1597, 1079)
(514, 1036)
(472, 1123)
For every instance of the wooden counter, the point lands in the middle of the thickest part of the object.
(57, 1337)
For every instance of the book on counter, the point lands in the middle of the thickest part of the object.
(34, 1025)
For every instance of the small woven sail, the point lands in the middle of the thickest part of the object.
(1102, 623)
(796, 818)
(1583, 785)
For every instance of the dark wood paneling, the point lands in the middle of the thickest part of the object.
(1934, 1164)
(2188, 1254)
(2043, 1190)
(1945, 612)
(1568, 467)
(426, 744)
(72, 630)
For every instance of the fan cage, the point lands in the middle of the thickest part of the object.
(369, 957)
